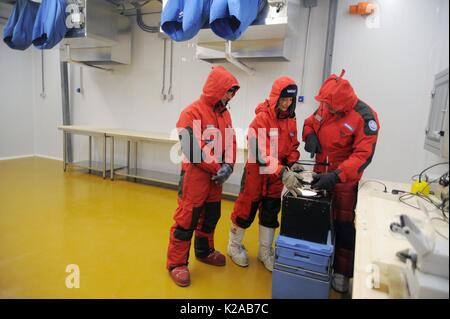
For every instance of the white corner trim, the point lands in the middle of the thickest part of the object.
(15, 157)
(49, 157)
(31, 155)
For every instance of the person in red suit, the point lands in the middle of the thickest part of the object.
(267, 172)
(208, 144)
(343, 131)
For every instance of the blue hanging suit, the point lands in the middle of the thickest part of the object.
(230, 18)
(43, 25)
(181, 20)
(50, 26)
(18, 31)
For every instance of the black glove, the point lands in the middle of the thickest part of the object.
(223, 174)
(312, 144)
(325, 181)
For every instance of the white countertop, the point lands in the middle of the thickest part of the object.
(375, 242)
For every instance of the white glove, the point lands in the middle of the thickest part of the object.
(296, 167)
(291, 181)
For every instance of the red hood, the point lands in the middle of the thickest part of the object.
(218, 83)
(338, 93)
(270, 105)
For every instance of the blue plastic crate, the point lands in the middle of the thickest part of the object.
(303, 272)
(286, 285)
(304, 254)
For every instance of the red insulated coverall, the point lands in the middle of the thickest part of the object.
(202, 128)
(263, 190)
(348, 139)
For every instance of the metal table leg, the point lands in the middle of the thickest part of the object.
(112, 158)
(64, 151)
(104, 156)
(128, 156)
(90, 153)
(136, 158)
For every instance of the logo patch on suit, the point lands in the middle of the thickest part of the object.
(373, 125)
(292, 134)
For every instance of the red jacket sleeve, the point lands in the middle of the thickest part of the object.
(365, 140)
(308, 127)
(295, 154)
(259, 139)
(192, 144)
(230, 143)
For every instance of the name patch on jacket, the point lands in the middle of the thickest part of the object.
(349, 127)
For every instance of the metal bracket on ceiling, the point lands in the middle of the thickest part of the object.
(230, 58)
(69, 59)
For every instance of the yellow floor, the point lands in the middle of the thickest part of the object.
(116, 232)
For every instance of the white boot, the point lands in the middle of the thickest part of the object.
(340, 283)
(236, 250)
(266, 254)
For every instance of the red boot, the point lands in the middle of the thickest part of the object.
(215, 258)
(181, 276)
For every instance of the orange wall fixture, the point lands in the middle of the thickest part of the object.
(362, 8)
